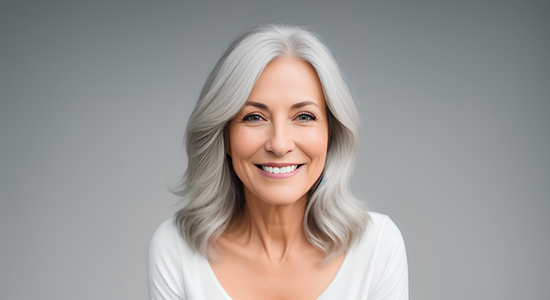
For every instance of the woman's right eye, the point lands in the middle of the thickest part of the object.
(252, 118)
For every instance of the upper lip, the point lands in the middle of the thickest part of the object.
(278, 165)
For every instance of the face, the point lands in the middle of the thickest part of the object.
(278, 141)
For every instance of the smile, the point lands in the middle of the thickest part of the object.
(279, 170)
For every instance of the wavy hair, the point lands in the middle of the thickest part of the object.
(212, 192)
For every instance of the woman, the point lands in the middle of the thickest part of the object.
(268, 213)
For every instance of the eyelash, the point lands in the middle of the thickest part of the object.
(247, 118)
(310, 116)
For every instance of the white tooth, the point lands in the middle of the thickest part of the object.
(281, 170)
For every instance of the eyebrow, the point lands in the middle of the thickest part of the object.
(304, 103)
(256, 104)
(294, 106)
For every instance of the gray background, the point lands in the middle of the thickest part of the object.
(455, 141)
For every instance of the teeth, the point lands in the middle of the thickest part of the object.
(282, 170)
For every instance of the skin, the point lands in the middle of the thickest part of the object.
(266, 255)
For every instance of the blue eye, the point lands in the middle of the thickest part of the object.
(252, 118)
(305, 117)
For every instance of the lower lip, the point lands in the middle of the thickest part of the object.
(280, 176)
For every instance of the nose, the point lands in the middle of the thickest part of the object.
(280, 140)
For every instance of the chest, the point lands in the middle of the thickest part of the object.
(252, 279)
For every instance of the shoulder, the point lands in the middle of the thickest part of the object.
(381, 246)
(165, 230)
(383, 229)
(168, 245)
(164, 263)
(164, 238)
(383, 238)
(163, 247)
(384, 248)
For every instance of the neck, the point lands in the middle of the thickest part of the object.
(273, 230)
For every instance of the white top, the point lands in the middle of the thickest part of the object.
(374, 268)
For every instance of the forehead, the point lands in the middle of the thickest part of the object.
(288, 80)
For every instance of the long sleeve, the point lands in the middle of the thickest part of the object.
(164, 265)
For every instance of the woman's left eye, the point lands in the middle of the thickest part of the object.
(305, 117)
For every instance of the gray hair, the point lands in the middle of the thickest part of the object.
(213, 194)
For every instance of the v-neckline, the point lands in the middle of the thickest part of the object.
(227, 297)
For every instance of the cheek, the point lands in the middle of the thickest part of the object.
(314, 143)
(243, 144)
